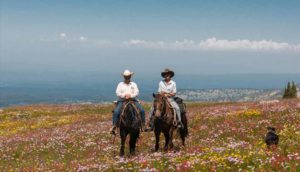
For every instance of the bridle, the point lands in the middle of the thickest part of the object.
(125, 104)
(163, 103)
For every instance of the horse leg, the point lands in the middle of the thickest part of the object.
(182, 139)
(184, 132)
(171, 138)
(132, 142)
(123, 139)
(157, 133)
(167, 139)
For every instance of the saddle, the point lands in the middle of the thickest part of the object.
(182, 108)
(181, 105)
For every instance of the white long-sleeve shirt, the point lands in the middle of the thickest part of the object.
(169, 87)
(123, 89)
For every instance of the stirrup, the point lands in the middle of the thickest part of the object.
(180, 125)
(175, 123)
(113, 130)
(149, 127)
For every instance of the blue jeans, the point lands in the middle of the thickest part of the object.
(117, 111)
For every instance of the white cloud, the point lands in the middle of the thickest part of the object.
(214, 44)
(82, 38)
(297, 48)
(210, 44)
(263, 45)
(146, 44)
(137, 42)
(63, 35)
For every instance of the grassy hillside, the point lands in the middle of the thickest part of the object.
(223, 137)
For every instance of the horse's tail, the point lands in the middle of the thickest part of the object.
(184, 132)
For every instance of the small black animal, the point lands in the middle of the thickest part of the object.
(271, 138)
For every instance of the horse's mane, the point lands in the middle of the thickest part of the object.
(165, 105)
(130, 116)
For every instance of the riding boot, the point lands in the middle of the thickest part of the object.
(151, 126)
(113, 130)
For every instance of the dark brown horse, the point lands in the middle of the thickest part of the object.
(130, 123)
(165, 122)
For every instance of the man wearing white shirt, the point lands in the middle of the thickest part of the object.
(126, 90)
(167, 87)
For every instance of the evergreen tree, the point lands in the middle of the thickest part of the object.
(290, 91)
(293, 90)
(285, 93)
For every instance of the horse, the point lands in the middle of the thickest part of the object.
(130, 123)
(165, 122)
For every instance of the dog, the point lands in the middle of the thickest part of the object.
(272, 139)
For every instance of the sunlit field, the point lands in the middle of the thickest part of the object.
(222, 137)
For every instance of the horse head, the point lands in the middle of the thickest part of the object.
(130, 115)
(159, 104)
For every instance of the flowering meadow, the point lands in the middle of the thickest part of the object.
(222, 137)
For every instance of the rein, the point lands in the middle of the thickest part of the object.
(165, 104)
(135, 108)
(123, 110)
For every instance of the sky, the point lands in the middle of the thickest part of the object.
(57, 40)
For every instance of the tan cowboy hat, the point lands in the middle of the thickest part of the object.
(127, 73)
(167, 71)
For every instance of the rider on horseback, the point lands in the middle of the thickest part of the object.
(126, 90)
(167, 87)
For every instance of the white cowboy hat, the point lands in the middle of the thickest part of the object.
(127, 73)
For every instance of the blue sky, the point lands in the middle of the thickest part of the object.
(73, 39)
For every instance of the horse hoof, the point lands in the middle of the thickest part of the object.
(155, 150)
(152, 150)
(132, 152)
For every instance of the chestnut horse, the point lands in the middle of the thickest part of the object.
(165, 122)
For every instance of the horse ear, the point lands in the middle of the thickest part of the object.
(154, 95)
